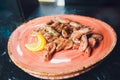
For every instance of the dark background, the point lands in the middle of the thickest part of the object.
(14, 12)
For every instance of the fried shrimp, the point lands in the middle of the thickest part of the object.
(64, 34)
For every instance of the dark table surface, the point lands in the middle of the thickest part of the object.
(109, 69)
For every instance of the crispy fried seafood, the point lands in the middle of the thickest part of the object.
(65, 34)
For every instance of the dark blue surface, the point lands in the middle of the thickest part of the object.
(109, 69)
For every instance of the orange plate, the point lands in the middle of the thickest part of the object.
(33, 63)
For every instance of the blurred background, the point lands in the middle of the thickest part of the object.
(15, 12)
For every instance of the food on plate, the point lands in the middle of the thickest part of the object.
(64, 34)
(60, 46)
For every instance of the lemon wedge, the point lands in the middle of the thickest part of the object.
(39, 45)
